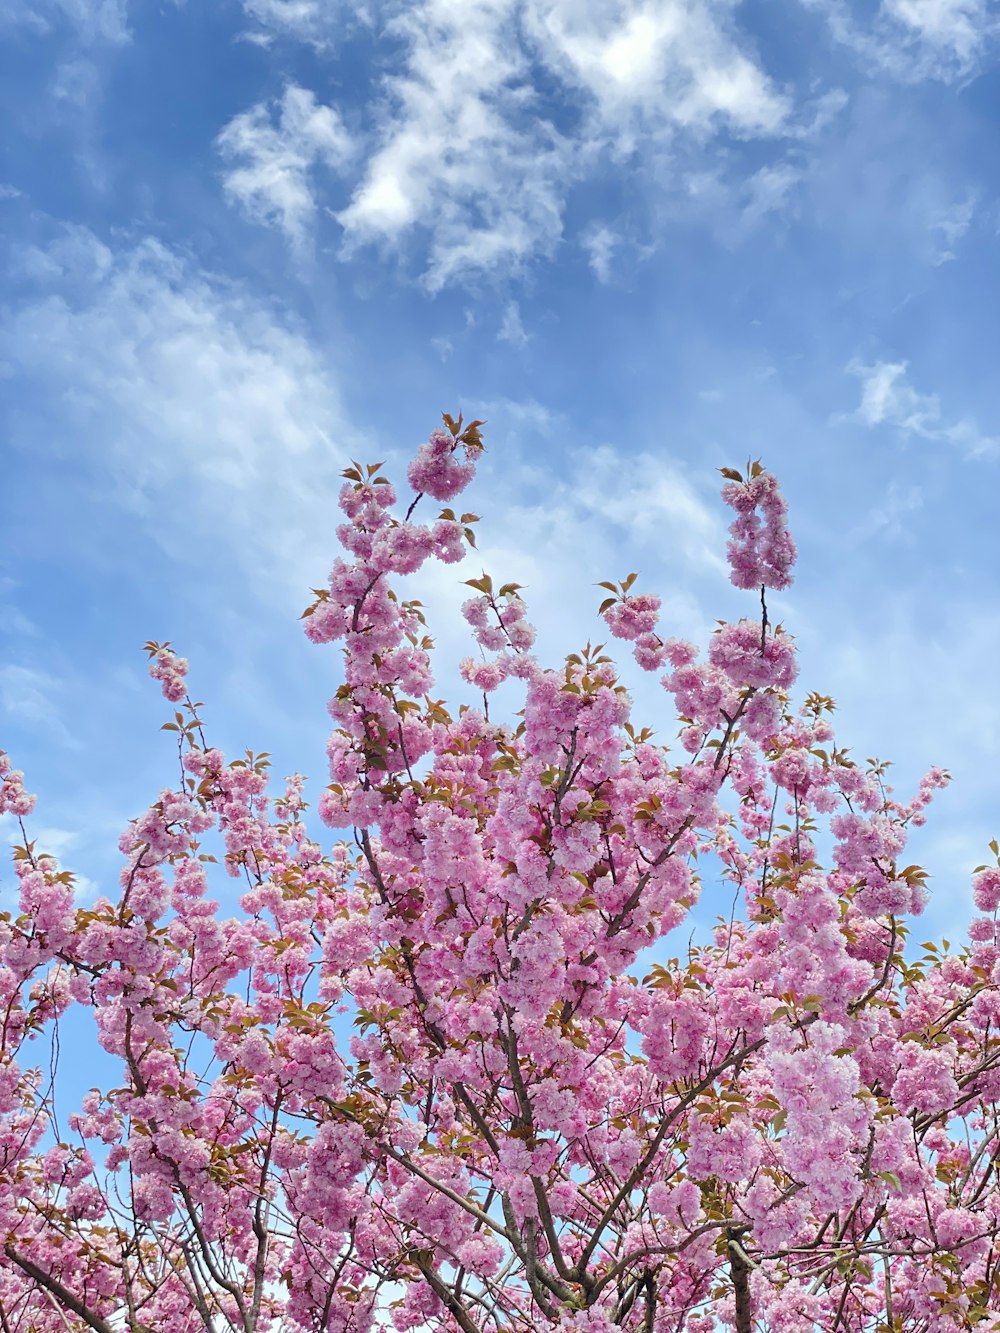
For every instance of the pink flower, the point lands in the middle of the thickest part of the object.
(485, 676)
(925, 1081)
(737, 650)
(634, 616)
(169, 670)
(986, 889)
(761, 554)
(13, 798)
(436, 469)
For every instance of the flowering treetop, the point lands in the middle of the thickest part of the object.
(791, 1126)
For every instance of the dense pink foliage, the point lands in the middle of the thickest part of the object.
(542, 1119)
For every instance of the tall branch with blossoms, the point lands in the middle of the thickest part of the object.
(790, 1126)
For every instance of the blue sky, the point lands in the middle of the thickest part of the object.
(245, 242)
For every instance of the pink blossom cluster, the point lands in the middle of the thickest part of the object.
(828, 1120)
(986, 889)
(631, 617)
(634, 617)
(750, 659)
(14, 799)
(442, 466)
(499, 621)
(761, 549)
(170, 670)
(445, 1072)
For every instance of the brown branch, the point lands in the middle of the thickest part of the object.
(536, 1278)
(876, 986)
(259, 1229)
(646, 1252)
(736, 1057)
(740, 1265)
(56, 1289)
(447, 1296)
(649, 1287)
(425, 1176)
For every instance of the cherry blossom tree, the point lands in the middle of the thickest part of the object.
(439, 1072)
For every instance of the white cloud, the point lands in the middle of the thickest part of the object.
(673, 64)
(200, 407)
(948, 226)
(653, 500)
(30, 695)
(92, 20)
(818, 115)
(600, 243)
(769, 191)
(271, 159)
(491, 111)
(888, 398)
(14, 621)
(558, 530)
(49, 841)
(76, 83)
(313, 21)
(957, 29)
(890, 518)
(465, 153)
(940, 659)
(511, 328)
(725, 201)
(916, 39)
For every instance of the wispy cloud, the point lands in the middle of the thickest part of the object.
(954, 31)
(13, 621)
(467, 156)
(313, 21)
(888, 398)
(61, 843)
(889, 518)
(511, 328)
(948, 226)
(557, 530)
(654, 501)
(656, 65)
(30, 695)
(463, 152)
(600, 242)
(915, 39)
(936, 654)
(272, 151)
(92, 20)
(769, 191)
(204, 409)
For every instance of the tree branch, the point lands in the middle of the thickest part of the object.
(55, 1288)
